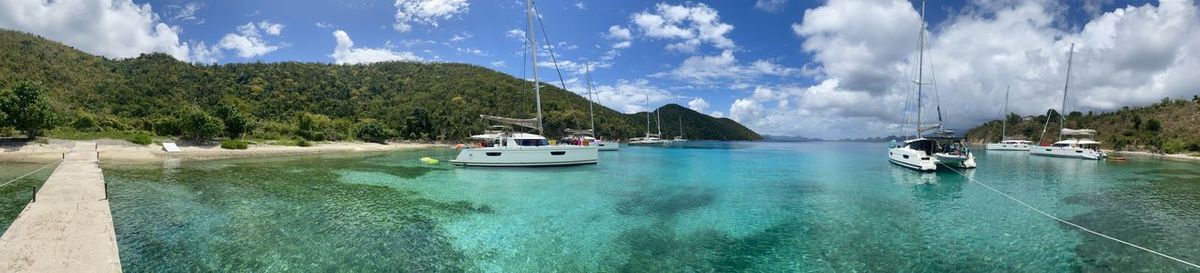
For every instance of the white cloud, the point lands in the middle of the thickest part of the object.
(458, 37)
(270, 28)
(187, 12)
(698, 104)
(322, 25)
(346, 53)
(112, 28)
(205, 54)
(864, 52)
(622, 36)
(248, 40)
(770, 5)
(580, 5)
(427, 12)
(472, 51)
(688, 25)
(629, 96)
(704, 69)
(499, 64)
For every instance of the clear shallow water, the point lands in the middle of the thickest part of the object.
(714, 207)
(17, 193)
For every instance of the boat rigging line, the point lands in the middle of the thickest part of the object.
(1097, 233)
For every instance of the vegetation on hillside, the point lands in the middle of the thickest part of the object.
(159, 95)
(1170, 126)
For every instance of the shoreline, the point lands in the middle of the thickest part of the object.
(120, 150)
(1177, 157)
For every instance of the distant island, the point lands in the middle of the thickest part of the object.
(78, 96)
(1170, 126)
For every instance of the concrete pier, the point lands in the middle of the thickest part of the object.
(69, 228)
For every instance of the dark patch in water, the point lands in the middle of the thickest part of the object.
(665, 202)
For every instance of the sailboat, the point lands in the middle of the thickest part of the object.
(680, 138)
(1079, 142)
(1008, 143)
(592, 137)
(650, 139)
(921, 153)
(503, 147)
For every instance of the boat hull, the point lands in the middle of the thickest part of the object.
(912, 159)
(961, 161)
(1066, 152)
(608, 146)
(527, 156)
(1007, 147)
(648, 143)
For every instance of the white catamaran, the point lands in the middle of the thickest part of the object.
(650, 139)
(1008, 143)
(921, 153)
(1079, 142)
(502, 147)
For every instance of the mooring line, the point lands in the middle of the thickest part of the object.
(1102, 235)
(34, 171)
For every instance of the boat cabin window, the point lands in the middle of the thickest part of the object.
(1060, 145)
(531, 142)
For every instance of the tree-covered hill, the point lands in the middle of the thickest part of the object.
(317, 101)
(1171, 126)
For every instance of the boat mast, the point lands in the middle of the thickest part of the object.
(1062, 118)
(680, 126)
(537, 86)
(647, 116)
(1004, 119)
(658, 121)
(591, 113)
(920, 65)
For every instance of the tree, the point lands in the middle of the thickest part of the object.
(200, 126)
(1137, 121)
(1153, 125)
(236, 123)
(1014, 118)
(27, 108)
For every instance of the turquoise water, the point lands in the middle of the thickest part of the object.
(819, 207)
(17, 193)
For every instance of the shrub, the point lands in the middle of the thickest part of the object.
(236, 124)
(234, 144)
(373, 131)
(303, 143)
(1175, 146)
(1153, 125)
(141, 138)
(84, 122)
(166, 126)
(200, 126)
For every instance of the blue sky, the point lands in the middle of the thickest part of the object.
(812, 68)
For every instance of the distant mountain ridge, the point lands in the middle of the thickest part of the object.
(415, 100)
(1171, 125)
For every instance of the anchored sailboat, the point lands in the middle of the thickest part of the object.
(1008, 143)
(649, 139)
(504, 147)
(1079, 142)
(921, 153)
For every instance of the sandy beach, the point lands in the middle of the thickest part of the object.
(121, 150)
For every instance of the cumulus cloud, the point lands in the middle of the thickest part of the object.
(864, 54)
(112, 28)
(622, 36)
(426, 12)
(248, 40)
(187, 12)
(698, 104)
(687, 26)
(346, 53)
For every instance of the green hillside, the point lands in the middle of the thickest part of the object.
(411, 100)
(1171, 126)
